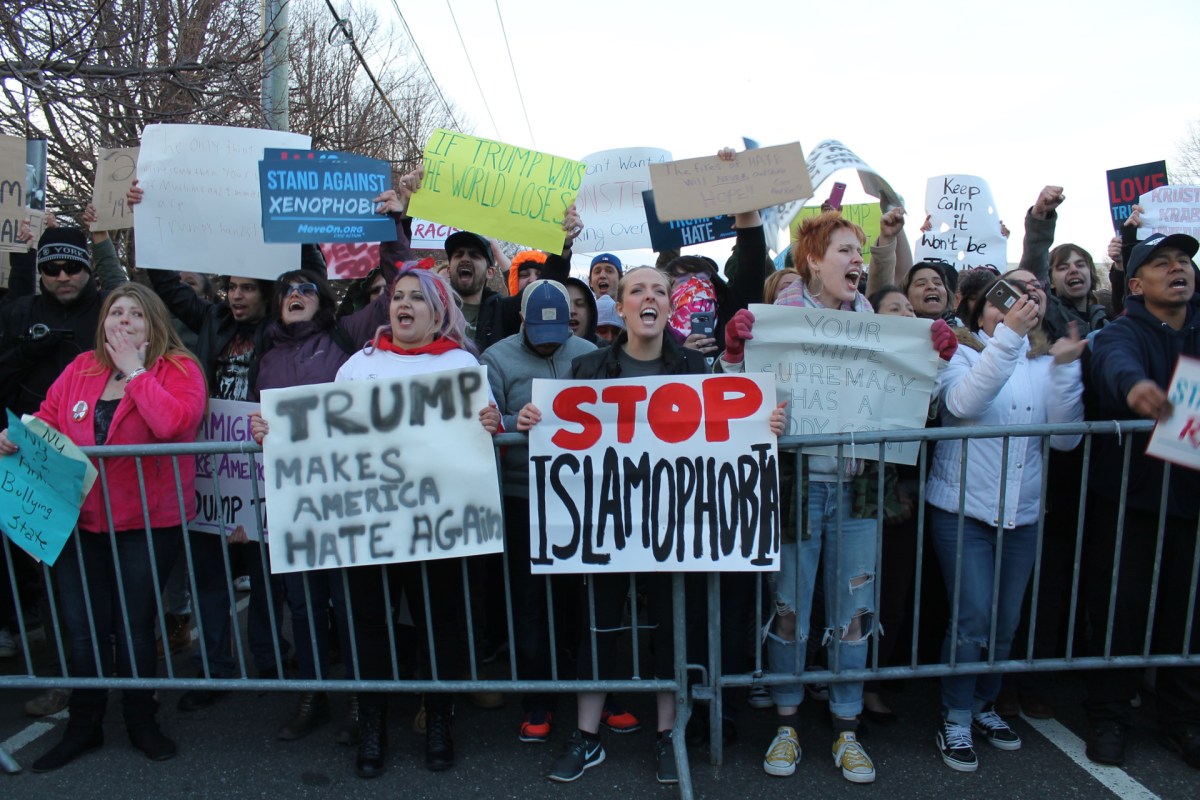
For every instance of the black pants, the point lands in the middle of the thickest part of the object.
(1109, 691)
(609, 592)
(447, 645)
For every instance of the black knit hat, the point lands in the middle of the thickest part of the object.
(63, 244)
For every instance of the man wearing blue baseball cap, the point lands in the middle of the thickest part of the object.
(1132, 361)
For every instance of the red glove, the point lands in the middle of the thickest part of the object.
(944, 340)
(737, 333)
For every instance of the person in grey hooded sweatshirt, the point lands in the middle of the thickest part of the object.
(543, 348)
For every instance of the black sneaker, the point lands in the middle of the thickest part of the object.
(1106, 744)
(664, 753)
(991, 726)
(579, 755)
(439, 746)
(957, 749)
(1185, 741)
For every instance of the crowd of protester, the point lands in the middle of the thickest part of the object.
(107, 361)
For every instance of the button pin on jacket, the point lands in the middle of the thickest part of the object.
(79, 411)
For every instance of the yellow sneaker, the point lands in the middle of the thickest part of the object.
(783, 753)
(855, 763)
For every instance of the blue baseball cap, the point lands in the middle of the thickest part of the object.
(546, 311)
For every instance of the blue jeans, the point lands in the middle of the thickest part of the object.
(849, 583)
(114, 640)
(962, 695)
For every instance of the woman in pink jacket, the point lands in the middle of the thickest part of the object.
(139, 386)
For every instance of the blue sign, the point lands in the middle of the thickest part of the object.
(680, 233)
(318, 196)
(40, 493)
(1127, 184)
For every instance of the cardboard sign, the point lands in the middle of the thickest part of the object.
(1177, 439)
(497, 189)
(313, 196)
(1127, 184)
(966, 226)
(1170, 209)
(673, 474)
(116, 170)
(680, 233)
(351, 479)
(41, 492)
(428, 235)
(226, 497)
(703, 187)
(202, 209)
(843, 371)
(611, 203)
(12, 193)
(868, 216)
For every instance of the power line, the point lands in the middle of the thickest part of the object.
(425, 64)
(512, 64)
(341, 24)
(472, 66)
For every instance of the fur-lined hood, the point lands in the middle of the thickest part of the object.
(1039, 345)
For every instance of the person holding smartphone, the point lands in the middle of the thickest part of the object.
(1004, 373)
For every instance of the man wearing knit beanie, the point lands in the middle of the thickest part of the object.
(64, 263)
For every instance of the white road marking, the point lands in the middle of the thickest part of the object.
(1115, 779)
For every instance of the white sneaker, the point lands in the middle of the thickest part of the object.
(783, 753)
(855, 763)
(760, 697)
(242, 583)
(9, 646)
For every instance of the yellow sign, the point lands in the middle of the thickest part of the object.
(497, 189)
(867, 216)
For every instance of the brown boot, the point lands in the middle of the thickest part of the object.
(312, 710)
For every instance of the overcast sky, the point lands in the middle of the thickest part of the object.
(1022, 93)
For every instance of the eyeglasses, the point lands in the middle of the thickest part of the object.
(54, 270)
(303, 289)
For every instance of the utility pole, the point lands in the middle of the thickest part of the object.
(276, 66)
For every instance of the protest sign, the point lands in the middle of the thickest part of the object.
(680, 233)
(966, 226)
(1127, 184)
(35, 175)
(703, 187)
(65, 447)
(116, 170)
(610, 200)
(226, 495)
(313, 196)
(40, 494)
(350, 259)
(1170, 209)
(1177, 438)
(673, 474)
(428, 235)
(351, 481)
(12, 193)
(868, 216)
(202, 206)
(497, 189)
(842, 371)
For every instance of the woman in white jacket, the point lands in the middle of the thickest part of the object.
(1003, 374)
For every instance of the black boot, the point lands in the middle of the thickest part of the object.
(439, 747)
(144, 733)
(84, 733)
(373, 724)
(311, 711)
(350, 732)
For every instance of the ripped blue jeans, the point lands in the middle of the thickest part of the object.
(964, 695)
(849, 572)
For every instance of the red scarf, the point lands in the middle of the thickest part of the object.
(436, 347)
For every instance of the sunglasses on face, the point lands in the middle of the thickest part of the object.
(54, 270)
(302, 289)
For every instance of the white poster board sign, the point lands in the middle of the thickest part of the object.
(116, 170)
(610, 199)
(843, 371)
(428, 235)
(966, 226)
(1170, 209)
(202, 210)
(1177, 439)
(673, 474)
(382, 471)
(226, 496)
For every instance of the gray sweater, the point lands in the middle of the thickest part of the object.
(512, 365)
